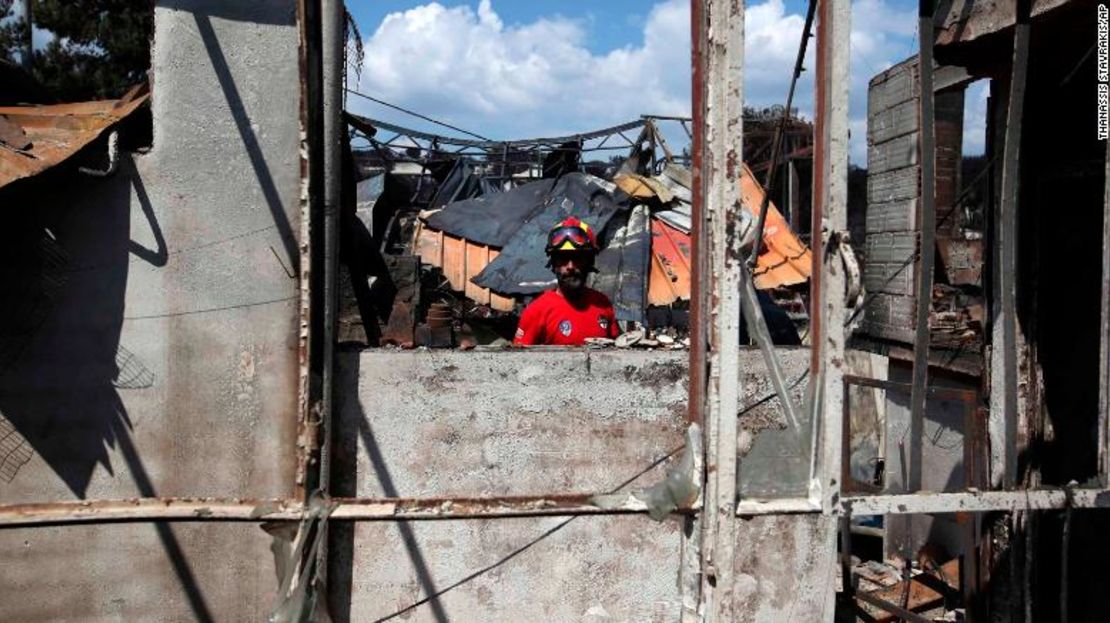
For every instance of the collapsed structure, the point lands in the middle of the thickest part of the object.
(478, 211)
(176, 413)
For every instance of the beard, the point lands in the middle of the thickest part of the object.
(571, 281)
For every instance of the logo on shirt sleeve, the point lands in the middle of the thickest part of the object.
(519, 332)
(565, 328)
(603, 322)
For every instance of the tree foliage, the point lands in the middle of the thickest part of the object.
(99, 47)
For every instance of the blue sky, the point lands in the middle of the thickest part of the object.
(515, 68)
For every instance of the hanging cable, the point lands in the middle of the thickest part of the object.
(417, 115)
(776, 141)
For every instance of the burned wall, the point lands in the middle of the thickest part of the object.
(166, 364)
(518, 423)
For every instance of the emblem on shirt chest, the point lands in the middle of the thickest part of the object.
(565, 328)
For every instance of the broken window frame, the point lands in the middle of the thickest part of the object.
(714, 387)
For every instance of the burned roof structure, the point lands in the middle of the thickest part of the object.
(486, 215)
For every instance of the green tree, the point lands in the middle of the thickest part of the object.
(99, 49)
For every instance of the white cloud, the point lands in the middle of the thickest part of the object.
(975, 118)
(469, 68)
(536, 78)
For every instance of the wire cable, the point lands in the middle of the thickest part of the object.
(417, 115)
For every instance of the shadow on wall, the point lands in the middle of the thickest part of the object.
(65, 268)
(353, 425)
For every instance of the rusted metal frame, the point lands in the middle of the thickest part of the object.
(1056, 498)
(1104, 360)
(360, 122)
(345, 509)
(691, 572)
(403, 509)
(969, 397)
(1004, 355)
(721, 162)
(830, 222)
(310, 203)
(941, 393)
(926, 256)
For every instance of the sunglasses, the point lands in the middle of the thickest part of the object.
(574, 235)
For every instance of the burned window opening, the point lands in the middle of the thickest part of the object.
(471, 215)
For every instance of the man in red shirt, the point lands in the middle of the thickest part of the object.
(572, 312)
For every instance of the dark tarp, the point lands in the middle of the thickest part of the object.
(624, 264)
(521, 268)
(460, 183)
(492, 219)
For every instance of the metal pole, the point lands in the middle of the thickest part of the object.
(1003, 398)
(927, 152)
(720, 180)
(830, 218)
(332, 38)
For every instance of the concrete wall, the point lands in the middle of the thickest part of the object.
(513, 423)
(942, 461)
(168, 363)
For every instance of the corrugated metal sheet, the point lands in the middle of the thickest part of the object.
(784, 261)
(58, 131)
(671, 252)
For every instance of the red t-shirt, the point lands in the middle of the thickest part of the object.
(552, 319)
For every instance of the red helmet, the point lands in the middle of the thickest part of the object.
(571, 234)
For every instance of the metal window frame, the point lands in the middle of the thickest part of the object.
(706, 566)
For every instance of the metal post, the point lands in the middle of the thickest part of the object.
(720, 179)
(926, 255)
(332, 43)
(830, 218)
(1003, 368)
(692, 575)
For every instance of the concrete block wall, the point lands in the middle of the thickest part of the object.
(168, 365)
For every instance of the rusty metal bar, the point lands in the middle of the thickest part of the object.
(830, 221)
(926, 256)
(720, 181)
(310, 158)
(404, 509)
(943, 393)
(977, 501)
(698, 300)
(275, 509)
(1003, 365)
(691, 572)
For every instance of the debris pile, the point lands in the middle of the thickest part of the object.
(477, 230)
